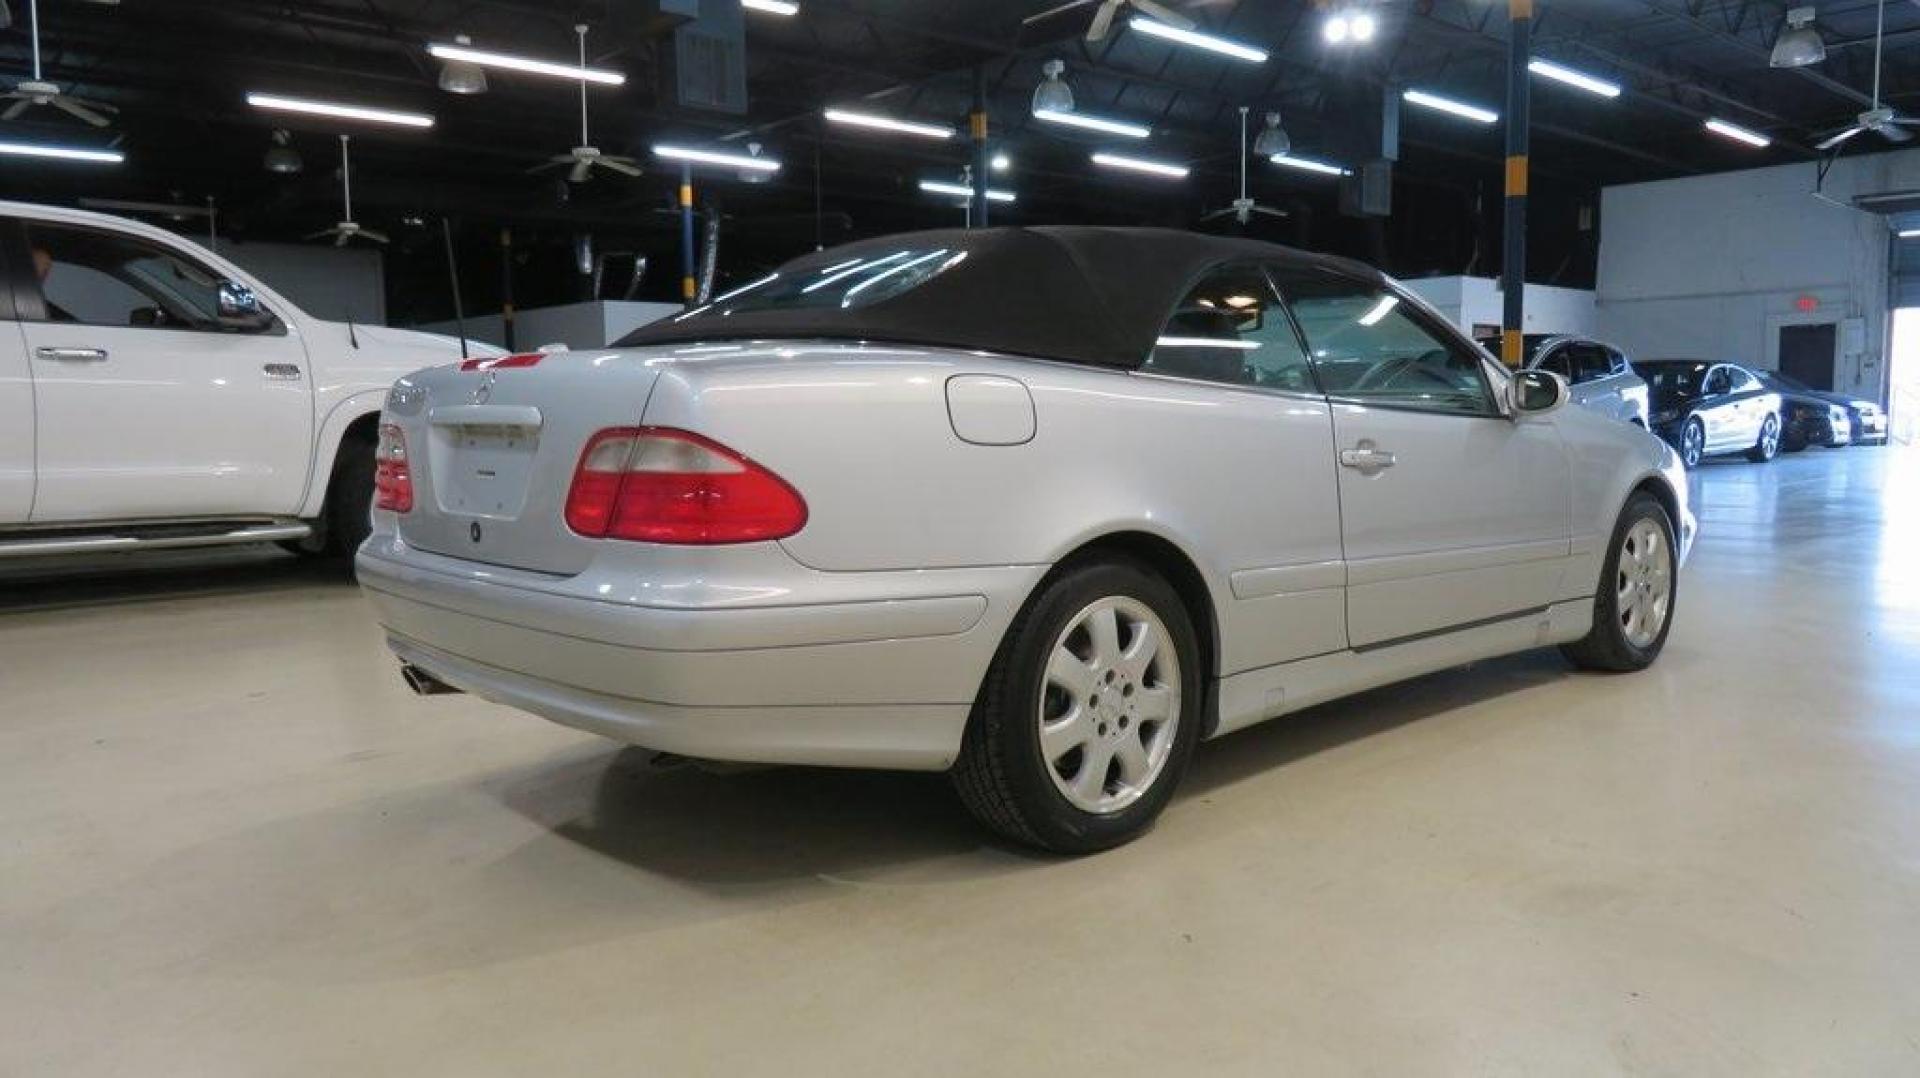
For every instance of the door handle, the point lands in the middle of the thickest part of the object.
(85, 355)
(1365, 458)
(281, 370)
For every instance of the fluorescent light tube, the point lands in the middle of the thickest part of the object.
(1199, 41)
(1092, 123)
(938, 187)
(1910, 233)
(526, 64)
(1573, 78)
(1738, 133)
(708, 157)
(1139, 164)
(745, 288)
(888, 123)
(1308, 164)
(1380, 310)
(772, 7)
(1449, 105)
(1205, 342)
(342, 112)
(64, 153)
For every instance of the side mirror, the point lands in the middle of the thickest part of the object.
(240, 308)
(1536, 392)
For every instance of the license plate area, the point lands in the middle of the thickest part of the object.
(483, 469)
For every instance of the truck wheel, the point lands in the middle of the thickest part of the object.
(1089, 713)
(346, 519)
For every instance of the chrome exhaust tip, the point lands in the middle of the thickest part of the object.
(422, 682)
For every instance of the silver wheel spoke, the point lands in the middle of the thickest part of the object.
(1090, 784)
(1135, 767)
(1065, 670)
(1154, 704)
(1063, 735)
(1103, 628)
(1139, 654)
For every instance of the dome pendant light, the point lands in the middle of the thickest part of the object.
(1799, 44)
(1272, 139)
(282, 157)
(1053, 95)
(462, 76)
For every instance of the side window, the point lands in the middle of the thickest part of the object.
(1590, 363)
(100, 278)
(1370, 346)
(1744, 382)
(1718, 382)
(1556, 362)
(1231, 328)
(1617, 363)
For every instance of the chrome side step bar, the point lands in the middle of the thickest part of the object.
(107, 542)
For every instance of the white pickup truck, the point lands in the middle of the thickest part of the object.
(154, 394)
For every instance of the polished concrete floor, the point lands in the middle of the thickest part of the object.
(232, 844)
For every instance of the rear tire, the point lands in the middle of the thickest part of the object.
(1081, 732)
(1640, 578)
(346, 519)
(1693, 443)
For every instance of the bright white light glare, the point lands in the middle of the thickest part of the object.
(772, 7)
(1308, 164)
(1139, 164)
(887, 123)
(526, 64)
(938, 187)
(1335, 30)
(1738, 133)
(1362, 26)
(745, 288)
(1573, 78)
(1205, 342)
(1092, 123)
(1910, 233)
(847, 300)
(1199, 41)
(1449, 105)
(341, 112)
(1001, 162)
(1380, 310)
(708, 157)
(848, 269)
(64, 153)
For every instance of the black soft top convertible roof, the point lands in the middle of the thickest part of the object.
(1081, 294)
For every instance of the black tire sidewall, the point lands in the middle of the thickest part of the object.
(1607, 603)
(1060, 824)
(349, 512)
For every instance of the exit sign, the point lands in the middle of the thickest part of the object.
(1807, 304)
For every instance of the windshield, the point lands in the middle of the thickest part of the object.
(1790, 383)
(1673, 379)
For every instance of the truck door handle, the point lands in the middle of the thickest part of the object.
(84, 355)
(1365, 458)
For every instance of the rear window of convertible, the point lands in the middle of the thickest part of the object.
(846, 284)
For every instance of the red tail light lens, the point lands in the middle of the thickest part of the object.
(521, 359)
(660, 485)
(392, 480)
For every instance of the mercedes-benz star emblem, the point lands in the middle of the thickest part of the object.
(485, 389)
(473, 531)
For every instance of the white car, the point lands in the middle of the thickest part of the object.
(1600, 375)
(154, 394)
(1042, 506)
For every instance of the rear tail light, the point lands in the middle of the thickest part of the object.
(392, 480)
(660, 485)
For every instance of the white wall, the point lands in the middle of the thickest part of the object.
(1476, 301)
(1712, 266)
(576, 325)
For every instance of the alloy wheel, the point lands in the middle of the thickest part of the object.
(1692, 444)
(1644, 583)
(1109, 705)
(1770, 437)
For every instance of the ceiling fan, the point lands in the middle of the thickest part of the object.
(1103, 18)
(38, 91)
(586, 157)
(1243, 208)
(348, 228)
(1880, 119)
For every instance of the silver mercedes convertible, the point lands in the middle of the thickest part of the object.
(1040, 507)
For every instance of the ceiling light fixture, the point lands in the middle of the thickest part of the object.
(1450, 106)
(1347, 25)
(1156, 28)
(1093, 123)
(526, 64)
(1272, 141)
(1053, 94)
(961, 190)
(1140, 164)
(772, 7)
(710, 157)
(1738, 133)
(462, 76)
(64, 153)
(277, 103)
(1799, 45)
(1910, 233)
(1551, 70)
(887, 123)
(1308, 164)
(1001, 162)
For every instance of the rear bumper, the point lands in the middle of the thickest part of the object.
(884, 677)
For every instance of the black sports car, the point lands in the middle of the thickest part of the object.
(1807, 417)
(1866, 420)
(1702, 408)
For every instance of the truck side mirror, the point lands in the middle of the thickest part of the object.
(240, 309)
